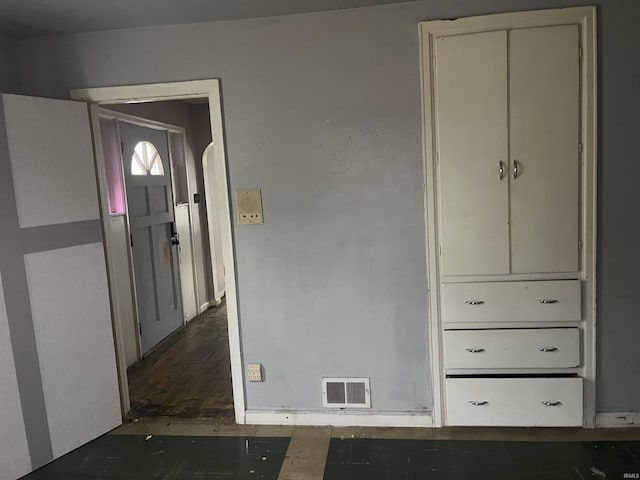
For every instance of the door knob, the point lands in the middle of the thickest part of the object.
(175, 241)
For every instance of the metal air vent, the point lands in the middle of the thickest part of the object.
(346, 393)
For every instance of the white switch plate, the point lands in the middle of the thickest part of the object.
(249, 204)
(254, 372)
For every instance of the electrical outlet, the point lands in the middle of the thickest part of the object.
(254, 372)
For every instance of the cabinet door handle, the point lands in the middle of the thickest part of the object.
(551, 404)
(500, 169)
(516, 169)
(478, 404)
(474, 302)
(547, 301)
(474, 350)
(548, 349)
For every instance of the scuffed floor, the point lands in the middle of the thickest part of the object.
(158, 448)
(378, 459)
(170, 457)
(188, 375)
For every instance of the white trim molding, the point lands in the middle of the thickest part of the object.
(205, 306)
(617, 419)
(334, 419)
(177, 91)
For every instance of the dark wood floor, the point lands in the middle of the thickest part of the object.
(188, 375)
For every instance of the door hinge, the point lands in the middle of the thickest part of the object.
(437, 158)
(140, 328)
(580, 52)
(440, 249)
(131, 240)
(580, 245)
(580, 148)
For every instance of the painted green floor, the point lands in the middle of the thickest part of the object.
(170, 458)
(370, 459)
(250, 458)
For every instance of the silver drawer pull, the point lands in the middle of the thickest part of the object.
(547, 301)
(474, 350)
(551, 404)
(474, 302)
(478, 404)
(548, 349)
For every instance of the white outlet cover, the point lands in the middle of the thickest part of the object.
(254, 372)
(249, 204)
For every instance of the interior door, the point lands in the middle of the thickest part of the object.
(153, 234)
(58, 365)
(544, 76)
(471, 122)
(182, 214)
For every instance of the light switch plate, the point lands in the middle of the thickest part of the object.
(254, 372)
(249, 203)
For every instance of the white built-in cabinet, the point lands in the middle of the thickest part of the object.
(509, 116)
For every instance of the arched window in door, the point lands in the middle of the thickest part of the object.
(146, 160)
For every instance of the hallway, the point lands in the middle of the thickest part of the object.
(188, 375)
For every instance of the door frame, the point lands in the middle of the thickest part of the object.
(182, 91)
(120, 117)
(209, 187)
(585, 17)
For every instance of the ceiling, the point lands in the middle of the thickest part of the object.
(36, 18)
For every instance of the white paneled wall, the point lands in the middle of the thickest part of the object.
(121, 281)
(54, 180)
(68, 291)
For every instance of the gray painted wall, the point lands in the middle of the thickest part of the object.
(9, 73)
(322, 111)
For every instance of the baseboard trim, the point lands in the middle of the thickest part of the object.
(204, 306)
(314, 418)
(617, 419)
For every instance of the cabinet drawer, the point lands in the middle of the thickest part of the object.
(517, 348)
(527, 402)
(542, 301)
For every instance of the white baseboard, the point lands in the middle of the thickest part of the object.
(617, 419)
(316, 418)
(204, 306)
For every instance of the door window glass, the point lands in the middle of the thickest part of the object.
(146, 160)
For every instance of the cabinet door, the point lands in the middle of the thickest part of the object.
(544, 123)
(471, 123)
(55, 281)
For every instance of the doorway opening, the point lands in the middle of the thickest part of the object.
(169, 249)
